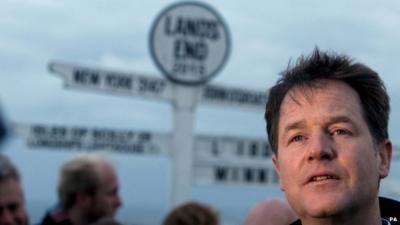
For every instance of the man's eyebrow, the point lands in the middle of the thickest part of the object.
(302, 124)
(340, 119)
(295, 125)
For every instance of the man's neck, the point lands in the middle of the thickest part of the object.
(368, 216)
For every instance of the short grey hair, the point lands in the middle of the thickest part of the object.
(79, 174)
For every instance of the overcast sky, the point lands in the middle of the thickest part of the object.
(114, 34)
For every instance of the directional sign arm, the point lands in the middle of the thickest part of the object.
(88, 78)
(82, 138)
(236, 97)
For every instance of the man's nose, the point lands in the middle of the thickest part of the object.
(321, 147)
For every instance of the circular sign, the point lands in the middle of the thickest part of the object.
(189, 42)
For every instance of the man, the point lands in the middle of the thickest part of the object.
(12, 205)
(87, 191)
(271, 212)
(327, 123)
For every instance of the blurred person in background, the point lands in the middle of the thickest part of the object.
(87, 192)
(192, 213)
(271, 212)
(12, 205)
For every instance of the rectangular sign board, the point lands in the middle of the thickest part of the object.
(81, 77)
(87, 139)
(227, 96)
(207, 147)
(233, 160)
(235, 172)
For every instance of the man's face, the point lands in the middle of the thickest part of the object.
(327, 160)
(106, 200)
(12, 208)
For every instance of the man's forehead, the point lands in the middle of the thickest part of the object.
(308, 93)
(341, 103)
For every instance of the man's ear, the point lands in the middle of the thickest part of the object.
(277, 167)
(276, 163)
(384, 158)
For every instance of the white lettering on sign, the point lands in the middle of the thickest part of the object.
(218, 95)
(81, 138)
(111, 81)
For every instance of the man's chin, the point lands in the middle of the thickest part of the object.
(325, 209)
(321, 213)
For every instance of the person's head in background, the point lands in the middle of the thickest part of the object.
(192, 213)
(12, 205)
(271, 212)
(327, 122)
(88, 188)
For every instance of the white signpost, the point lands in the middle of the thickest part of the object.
(189, 43)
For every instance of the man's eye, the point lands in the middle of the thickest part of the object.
(297, 138)
(340, 132)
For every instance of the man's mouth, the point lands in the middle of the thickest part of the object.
(323, 177)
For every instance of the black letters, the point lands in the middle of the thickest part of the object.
(86, 77)
(185, 49)
(220, 173)
(117, 81)
(189, 27)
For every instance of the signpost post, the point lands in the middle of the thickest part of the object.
(182, 144)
